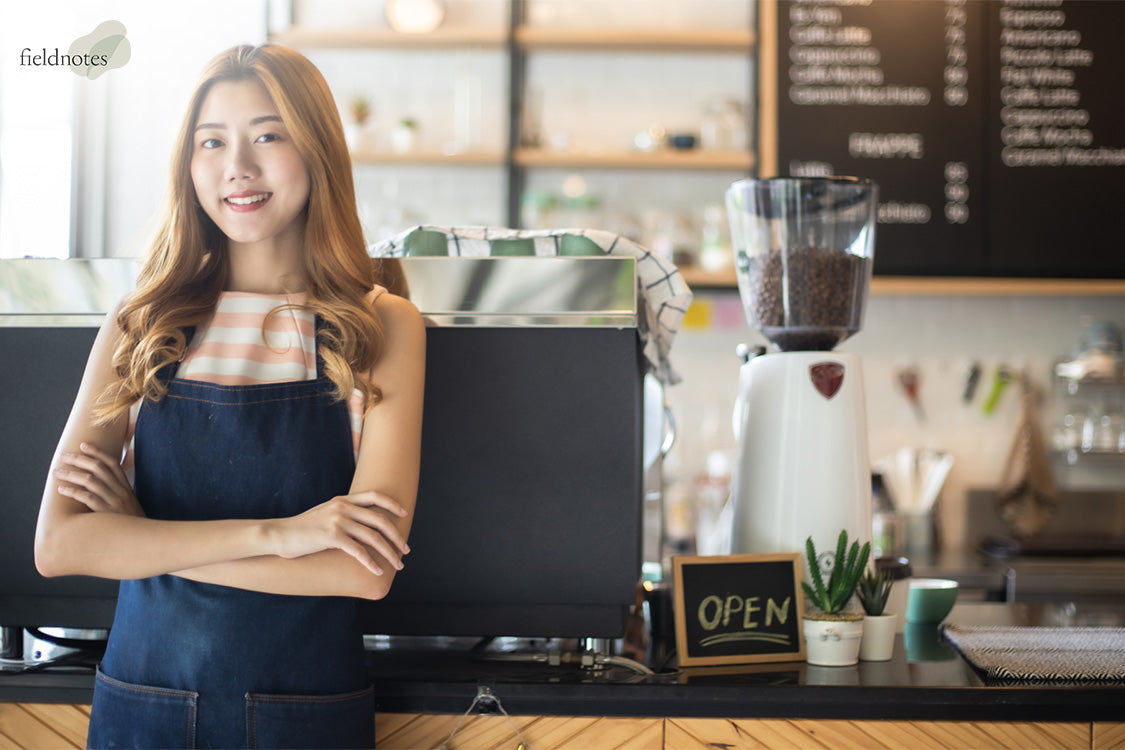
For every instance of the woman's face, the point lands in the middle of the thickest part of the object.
(247, 173)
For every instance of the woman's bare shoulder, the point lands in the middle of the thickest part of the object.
(396, 312)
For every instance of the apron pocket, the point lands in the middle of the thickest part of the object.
(346, 720)
(128, 715)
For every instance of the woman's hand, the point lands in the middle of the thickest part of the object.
(358, 524)
(96, 480)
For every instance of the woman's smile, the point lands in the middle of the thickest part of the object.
(247, 200)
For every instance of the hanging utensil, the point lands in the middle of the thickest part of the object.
(1027, 495)
(1002, 377)
(909, 381)
(971, 383)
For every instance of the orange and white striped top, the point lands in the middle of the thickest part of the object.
(243, 344)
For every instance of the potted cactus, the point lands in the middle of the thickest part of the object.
(832, 632)
(878, 641)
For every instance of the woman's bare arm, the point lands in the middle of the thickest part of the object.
(388, 461)
(70, 538)
(73, 538)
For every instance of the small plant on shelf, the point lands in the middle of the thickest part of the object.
(847, 568)
(360, 107)
(873, 591)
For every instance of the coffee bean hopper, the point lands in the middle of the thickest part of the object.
(803, 252)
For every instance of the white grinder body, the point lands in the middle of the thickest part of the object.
(803, 467)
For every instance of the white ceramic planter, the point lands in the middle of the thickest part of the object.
(832, 643)
(878, 643)
(403, 138)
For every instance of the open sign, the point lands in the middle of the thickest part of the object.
(734, 609)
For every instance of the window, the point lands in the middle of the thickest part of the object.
(36, 120)
(83, 162)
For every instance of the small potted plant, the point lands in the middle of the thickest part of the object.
(356, 125)
(878, 628)
(832, 634)
(404, 135)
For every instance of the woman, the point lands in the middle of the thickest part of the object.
(277, 393)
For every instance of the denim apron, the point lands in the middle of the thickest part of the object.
(193, 664)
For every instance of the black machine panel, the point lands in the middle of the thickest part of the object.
(529, 508)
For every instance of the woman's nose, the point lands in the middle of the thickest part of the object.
(240, 163)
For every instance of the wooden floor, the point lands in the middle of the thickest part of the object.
(49, 726)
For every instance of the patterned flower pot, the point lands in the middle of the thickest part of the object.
(835, 642)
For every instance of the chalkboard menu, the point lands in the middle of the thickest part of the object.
(994, 129)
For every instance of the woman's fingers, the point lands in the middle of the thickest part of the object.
(360, 525)
(362, 554)
(373, 498)
(107, 462)
(362, 507)
(94, 479)
(350, 524)
(87, 498)
(87, 472)
(380, 527)
(80, 478)
(375, 541)
(372, 529)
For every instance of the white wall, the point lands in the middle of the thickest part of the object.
(940, 335)
(144, 102)
(124, 121)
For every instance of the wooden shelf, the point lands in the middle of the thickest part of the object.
(662, 159)
(384, 38)
(944, 286)
(696, 40)
(423, 158)
(979, 286)
(528, 37)
(698, 278)
(511, 41)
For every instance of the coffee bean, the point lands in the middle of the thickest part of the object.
(804, 298)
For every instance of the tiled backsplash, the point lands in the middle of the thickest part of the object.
(940, 336)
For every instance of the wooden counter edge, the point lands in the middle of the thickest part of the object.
(24, 723)
(953, 286)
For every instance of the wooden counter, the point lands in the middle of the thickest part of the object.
(921, 698)
(39, 725)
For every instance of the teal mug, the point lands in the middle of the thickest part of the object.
(930, 599)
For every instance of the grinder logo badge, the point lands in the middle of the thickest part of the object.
(827, 377)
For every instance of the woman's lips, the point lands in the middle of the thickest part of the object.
(243, 202)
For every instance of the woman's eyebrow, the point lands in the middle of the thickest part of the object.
(221, 126)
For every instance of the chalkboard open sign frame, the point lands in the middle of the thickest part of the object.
(738, 609)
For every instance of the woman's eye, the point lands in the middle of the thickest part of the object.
(269, 138)
(210, 143)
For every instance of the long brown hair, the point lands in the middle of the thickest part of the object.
(187, 265)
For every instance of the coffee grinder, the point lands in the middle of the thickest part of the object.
(803, 253)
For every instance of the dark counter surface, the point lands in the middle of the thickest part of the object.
(925, 680)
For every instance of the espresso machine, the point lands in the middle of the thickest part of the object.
(803, 253)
